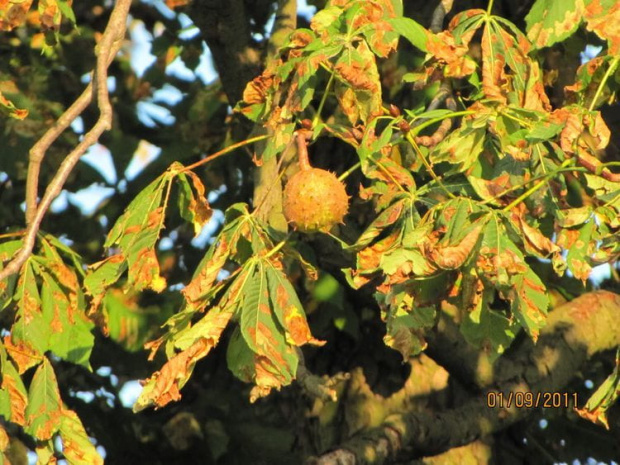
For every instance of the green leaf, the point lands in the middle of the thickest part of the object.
(7, 285)
(405, 325)
(462, 146)
(8, 108)
(137, 230)
(487, 328)
(31, 328)
(257, 321)
(603, 398)
(70, 335)
(287, 307)
(412, 31)
(44, 410)
(529, 302)
(551, 21)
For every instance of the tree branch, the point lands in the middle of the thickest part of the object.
(575, 331)
(106, 51)
(225, 27)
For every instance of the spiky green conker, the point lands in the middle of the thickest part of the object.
(314, 200)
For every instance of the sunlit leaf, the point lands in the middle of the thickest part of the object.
(193, 204)
(44, 410)
(76, 445)
(13, 394)
(551, 21)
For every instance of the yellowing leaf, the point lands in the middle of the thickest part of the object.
(529, 302)
(551, 21)
(165, 385)
(288, 308)
(76, 445)
(603, 18)
(12, 14)
(13, 395)
(453, 257)
(44, 410)
(194, 206)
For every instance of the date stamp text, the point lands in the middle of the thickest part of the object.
(531, 399)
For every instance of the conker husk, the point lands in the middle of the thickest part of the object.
(315, 200)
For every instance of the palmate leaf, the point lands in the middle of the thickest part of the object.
(239, 239)
(194, 342)
(502, 265)
(509, 75)
(134, 234)
(50, 313)
(357, 69)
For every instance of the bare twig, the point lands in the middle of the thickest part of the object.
(106, 51)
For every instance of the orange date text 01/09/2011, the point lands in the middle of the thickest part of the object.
(529, 399)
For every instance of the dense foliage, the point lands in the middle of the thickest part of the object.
(454, 299)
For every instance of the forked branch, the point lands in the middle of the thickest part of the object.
(106, 50)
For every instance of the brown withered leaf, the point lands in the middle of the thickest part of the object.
(584, 132)
(165, 385)
(13, 14)
(23, 354)
(533, 239)
(603, 18)
(256, 90)
(194, 205)
(13, 384)
(453, 257)
(444, 48)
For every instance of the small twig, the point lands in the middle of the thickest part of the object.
(106, 51)
(226, 150)
(302, 149)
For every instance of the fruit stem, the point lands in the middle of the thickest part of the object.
(302, 150)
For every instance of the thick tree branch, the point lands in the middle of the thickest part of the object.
(575, 331)
(225, 27)
(106, 50)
